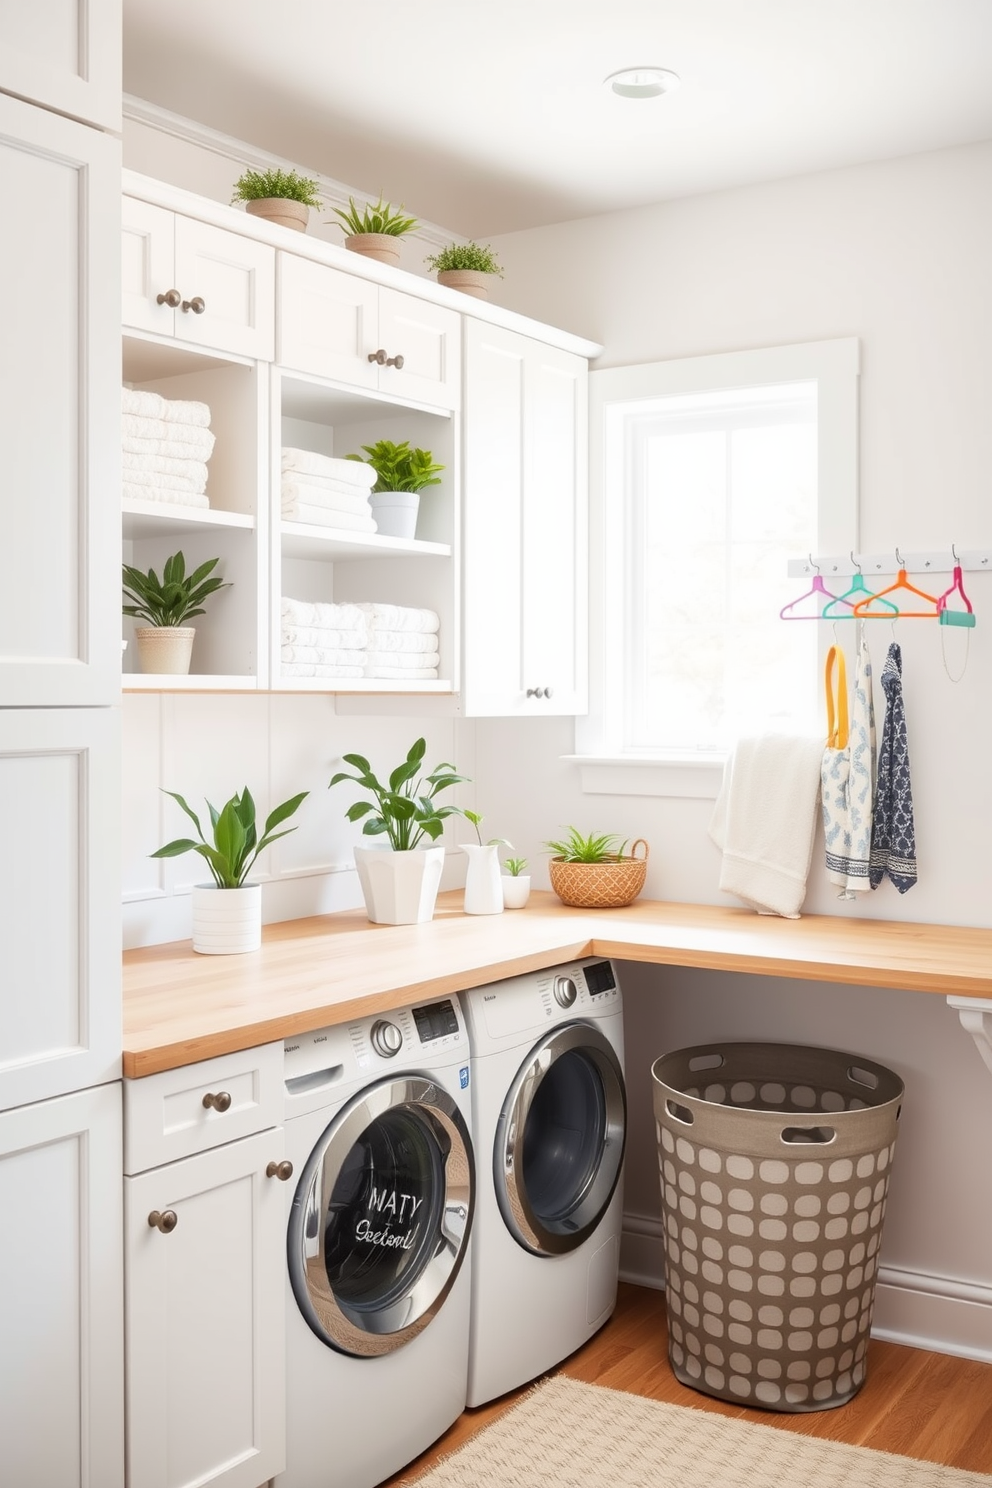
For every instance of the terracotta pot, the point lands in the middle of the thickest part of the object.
(165, 650)
(383, 247)
(280, 209)
(470, 281)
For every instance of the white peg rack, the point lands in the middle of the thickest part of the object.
(846, 565)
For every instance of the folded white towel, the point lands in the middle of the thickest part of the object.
(401, 641)
(315, 636)
(351, 498)
(354, 471)
(132, 492)
(403, 661)
(399, 617)
(402, 674)
(325, 616)
(317, 669)
(328, 484)
(161, 481)
(320, 516)
(200, 448)
(764, 820)
(191, 470)
(325, 655)
(136, 426)
(173, 410)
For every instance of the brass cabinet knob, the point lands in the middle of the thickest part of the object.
(172, 297)
(165, 1221)
(378, 356)
(221, 1101)
(283, 1170)
(396, 361)
(196, 304)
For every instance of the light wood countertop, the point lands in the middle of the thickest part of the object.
(180, 1007)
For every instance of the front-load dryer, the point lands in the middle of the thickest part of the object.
(378, 1278)
(549, 1122)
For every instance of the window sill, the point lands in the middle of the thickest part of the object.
(694, 778)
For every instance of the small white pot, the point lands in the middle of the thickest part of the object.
(165, 649)
(400, 888)
(395, 512)
(382, 247)
(227, 921)
(483, 894)
(516, 890)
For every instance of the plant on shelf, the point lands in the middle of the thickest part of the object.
(592, 870)
(401, 474)
(168, 603)
(374, 228)
(466, 266)
(282, 196)
(515, 883)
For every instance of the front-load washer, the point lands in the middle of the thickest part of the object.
(378, 1118)
(549, 1122)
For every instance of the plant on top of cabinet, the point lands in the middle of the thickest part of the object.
(373, 230)
(231, 921)
(279, 196)
(399, 878)
(165, 644)
(592, 872)
(401, 474)
(466, 266)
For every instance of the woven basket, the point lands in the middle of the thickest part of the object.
(607, 885)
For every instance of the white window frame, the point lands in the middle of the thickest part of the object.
(606, 769)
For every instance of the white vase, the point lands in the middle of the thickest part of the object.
(395, 512)
(165, 649)
(400, 888)
(227, 921)
(483, 891)
(516, 890)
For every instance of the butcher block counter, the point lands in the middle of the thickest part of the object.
(180, 1007)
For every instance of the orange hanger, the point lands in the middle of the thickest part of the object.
(901, 585)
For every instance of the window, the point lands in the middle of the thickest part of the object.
(707, 476)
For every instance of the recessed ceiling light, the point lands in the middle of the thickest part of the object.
(642, 82)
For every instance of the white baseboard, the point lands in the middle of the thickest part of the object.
(927, 1312)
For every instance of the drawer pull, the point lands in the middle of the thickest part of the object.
(170, 298)
(219, 1102)
(396, 361)
(197, 304)
(165, 1221)
(283, 1170)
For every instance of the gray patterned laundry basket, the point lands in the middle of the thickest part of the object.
(775, 1162)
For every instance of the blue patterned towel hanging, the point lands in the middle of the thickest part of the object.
(893, 837)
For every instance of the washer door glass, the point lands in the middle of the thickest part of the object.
(560, 1140)
(381, 1217)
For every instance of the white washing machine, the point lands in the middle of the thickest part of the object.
(549, 1121)
(378, 1130)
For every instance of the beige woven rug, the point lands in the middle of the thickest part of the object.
(564, 1434)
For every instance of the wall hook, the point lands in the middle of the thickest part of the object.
(813, 565)
(899, 559)
(854, 560)
(954, 555)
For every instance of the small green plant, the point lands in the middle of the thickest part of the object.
(465, 256)
(398, 467)
(256, 185)
(515, 866)
(476, 820)
(175, 598)
(235, 846)
(594, 848)
(380, 218)
(404, 810)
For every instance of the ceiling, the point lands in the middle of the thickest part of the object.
(487, 116)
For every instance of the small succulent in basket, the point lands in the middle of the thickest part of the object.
(593, 870)
(594, 848)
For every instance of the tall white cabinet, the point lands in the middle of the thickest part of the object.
(61, 1308)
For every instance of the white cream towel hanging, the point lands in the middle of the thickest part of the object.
(848, 772)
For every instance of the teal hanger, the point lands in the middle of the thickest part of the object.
(859, 593)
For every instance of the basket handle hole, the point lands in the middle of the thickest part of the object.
(819, 1135)
(706, 1062)
(679, 1113)
(862, 1077)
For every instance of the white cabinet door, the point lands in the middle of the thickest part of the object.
(61, 1304)
(65, 57)
(199, 283)
(60, 1018)
(428, 337)
(524, 526)
(59, 412)
(205, 1332)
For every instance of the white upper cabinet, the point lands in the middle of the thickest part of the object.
(64, 55)
(59, 410)
(353, 331)
(524, 509)
(201, 284)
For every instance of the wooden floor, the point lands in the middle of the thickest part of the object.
(915, 1403)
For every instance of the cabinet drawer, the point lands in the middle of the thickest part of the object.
(165, 1116)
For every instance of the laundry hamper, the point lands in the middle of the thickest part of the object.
(775, 1163)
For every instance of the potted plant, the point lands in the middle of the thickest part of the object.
(515, 883)
(373, 231)
(227, 914)
(594, 871)
(483, 891)
(466, 266)
(401, 474)
(279, 196)
(165, 644)
(399, 878)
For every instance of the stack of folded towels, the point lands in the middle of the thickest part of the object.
(166, 443)
(327, 492)
(358, 640)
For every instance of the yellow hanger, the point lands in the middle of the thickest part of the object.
(837, 731)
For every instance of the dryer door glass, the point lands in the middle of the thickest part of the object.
(560, 1140)
(381, 1217)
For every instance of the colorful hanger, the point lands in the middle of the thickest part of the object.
(901, 585)
(818, 588)
(858, 587)
(955, 617)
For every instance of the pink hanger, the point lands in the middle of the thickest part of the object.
(955, 617)
(818, 588)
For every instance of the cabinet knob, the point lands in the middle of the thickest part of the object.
(283, 1170)
(165, 1221)
(547, 692)
(378, 356)
(396, 361)
(221, 1101)
(196, 304)
(172, 298)
(535, 692)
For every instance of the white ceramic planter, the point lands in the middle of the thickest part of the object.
(483, 894)
(516, 890)
(400, 888)
(227, 922)
(395, 512)
(165, 649)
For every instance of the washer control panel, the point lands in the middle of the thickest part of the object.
(386, 1038)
